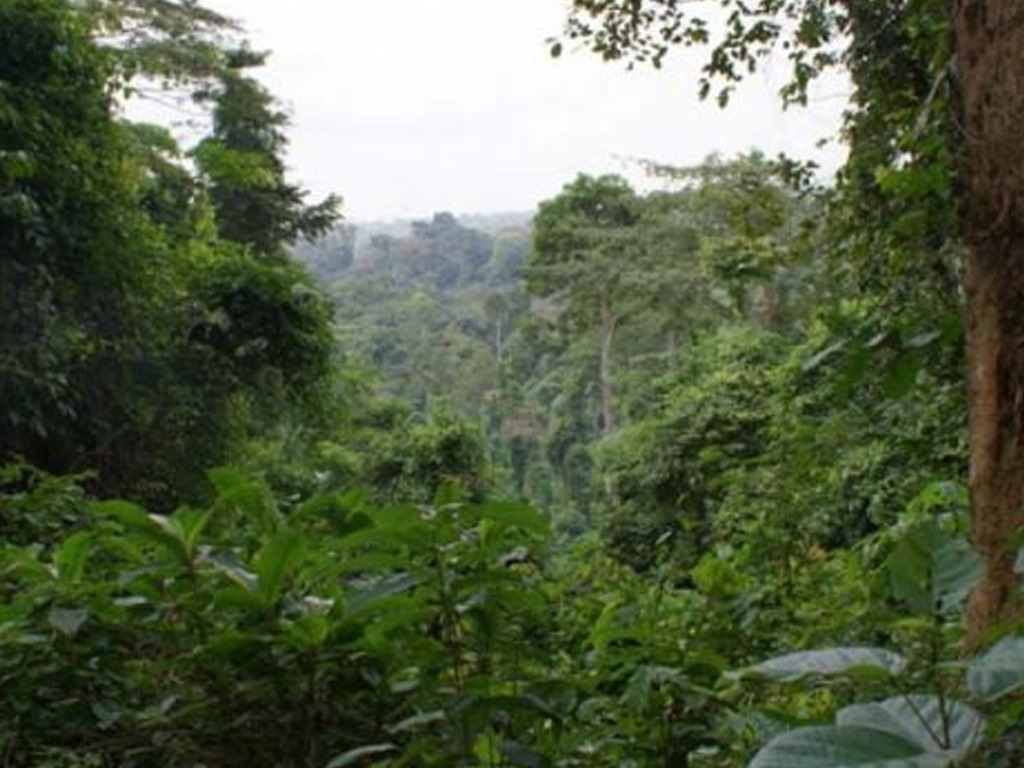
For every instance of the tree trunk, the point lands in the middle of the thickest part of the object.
(672, 346)
(607, 322)
(990, 51)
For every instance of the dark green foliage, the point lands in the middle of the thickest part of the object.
(229, 636)
(415, 460)
(244, 169)
(330, 257)
(113, 289)
(265, 321)
(673, 470)
(69, 232)
(739, 400)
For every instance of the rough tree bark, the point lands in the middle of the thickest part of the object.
(990, 62)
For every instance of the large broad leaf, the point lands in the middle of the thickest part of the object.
(830, 661)
(831, 747)
(934, 724)
(998, 671)
(901, 732)
(932, 570)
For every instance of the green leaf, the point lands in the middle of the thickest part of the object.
(237, 491)
(238, 574)
(934, 724)
(557, 697)
(419, 721)
(406, 524)
(235, 596)
(386, 587)
(517, 754)
(831, 661)
(932, 570)
(67, 621)
(831, 747)
(309, 631)
(191, 523)
(278, 558)
(923, 339)
(646, 680)
(998, 671)
(71, 557)
(510, 513)
(902, 375)
(601, 632)
(820, 357)
(157, 529)
(363, 755)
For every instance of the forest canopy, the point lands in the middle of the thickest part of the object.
(722, 474)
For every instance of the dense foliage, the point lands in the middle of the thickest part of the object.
(253, 515)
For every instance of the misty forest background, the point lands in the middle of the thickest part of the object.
(672, 478)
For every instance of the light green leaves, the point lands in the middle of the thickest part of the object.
(932, 723)
(71, 557)
(901, 732)
(931, 569)
(67, 621)
(279, 557)
(999, 671)
(178, 535)
(514, 514)
(852, 662)
(825, 747)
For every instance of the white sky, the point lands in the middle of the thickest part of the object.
(406, 107)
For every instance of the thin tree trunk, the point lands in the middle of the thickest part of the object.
(499, 343)
(608, 322)
(990, 51)
(672, 346)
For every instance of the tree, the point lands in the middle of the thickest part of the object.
(242, 164)
(579, 258)
(174, 41)
(904, 129)
(990, 54)
(69, 231)
(131, 340)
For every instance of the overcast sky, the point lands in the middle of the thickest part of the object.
(407, 107)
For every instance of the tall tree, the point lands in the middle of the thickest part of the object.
(990, 49)
(173, 41)
(244, 168)
(69, 232)
(580, 253)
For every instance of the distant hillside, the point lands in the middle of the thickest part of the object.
(444, 252)
(489, 223)
(432, 304)
(496, 222)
